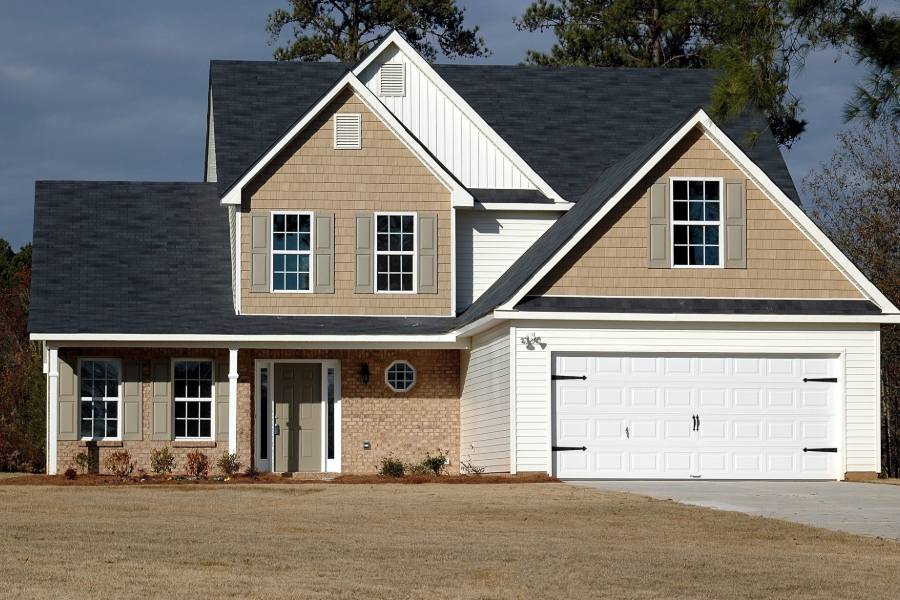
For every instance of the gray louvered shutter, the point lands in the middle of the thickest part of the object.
(427, 250)
(735, 225)
(363, 241)
(222, 401)
(260, 238)
(68, 418)
(323, 254)
(161, 413)
(132, 404)
(660, 249)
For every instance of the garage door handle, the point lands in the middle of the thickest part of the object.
(820, 449)
(558, 377)
(820, 379)
(569, 448)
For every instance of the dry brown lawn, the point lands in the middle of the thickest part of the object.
(415, 541)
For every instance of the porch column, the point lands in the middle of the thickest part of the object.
(53, 409)
(232, 399)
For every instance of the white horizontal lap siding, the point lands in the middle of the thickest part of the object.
(488, 243)
(859, 347)
(445, 130)
(484, 402)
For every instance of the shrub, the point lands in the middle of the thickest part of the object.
(162, 461)
(391, 467)
(228, 464)
(71, 474)
(87, 462)
(418, 469)
(197, 464)
(469, 468)
(436, 464)
(119, 463)
(251, 472)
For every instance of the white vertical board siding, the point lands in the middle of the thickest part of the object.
(442, 127)
(857, 347)
(210, 175)
(487, 244)
(484, 402)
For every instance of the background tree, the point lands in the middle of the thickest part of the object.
(856, 200)
(22, 393)
(348, 29)
(757, 44)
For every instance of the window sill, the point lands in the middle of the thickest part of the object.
(100, 444)
(194, 444)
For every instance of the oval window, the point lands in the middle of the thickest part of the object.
(400, 376)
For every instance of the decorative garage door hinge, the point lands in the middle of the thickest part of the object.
(821, 379)
(558, 377)
(820, 449)
(568, 448)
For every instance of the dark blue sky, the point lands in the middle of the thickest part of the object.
(117, 90)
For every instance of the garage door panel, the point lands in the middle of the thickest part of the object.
(713, 398)
(609, 397)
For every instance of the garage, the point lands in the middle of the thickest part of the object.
(644, 416)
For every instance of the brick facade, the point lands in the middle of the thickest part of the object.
(405, 425)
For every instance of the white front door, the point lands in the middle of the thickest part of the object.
(677, 417)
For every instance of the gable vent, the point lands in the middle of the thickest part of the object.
(393, 79)
(347, 131)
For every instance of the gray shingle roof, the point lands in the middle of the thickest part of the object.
(743, 306)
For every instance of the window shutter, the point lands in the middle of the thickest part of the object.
(363, 282)
(660, 248)
(392, 79)
(427, 251)
(222, 401)
(260, 238)
(68, 418)
(735, 225)
(161, 384)
(323, 253)
(347, 131)
(132, 404)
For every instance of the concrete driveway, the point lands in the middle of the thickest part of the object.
(863, 508)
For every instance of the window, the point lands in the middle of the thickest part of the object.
(99, 399)
(291, 251)
(696, 222)
(395, 254)
(400, 376)
(330, 377)
(265, 426)
(193, 399)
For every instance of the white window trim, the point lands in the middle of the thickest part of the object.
(720, 223)
(414, 379)
(118, 436)
(212, 413)
(414, 253)
(273, 252)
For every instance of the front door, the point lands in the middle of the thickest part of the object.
(298, 417)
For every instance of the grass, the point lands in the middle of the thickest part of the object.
(415, 541)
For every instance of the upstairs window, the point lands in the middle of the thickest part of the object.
(99, 399)
(291, 252)
(696, 222)
(395, 252)
(193, 399)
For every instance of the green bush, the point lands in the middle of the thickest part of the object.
(228, 464)
(418, 469)
(436, 464)
(162, 461)
(391, 467)
(87, 462)
(197, 464)
(70, 473)
(119, 463)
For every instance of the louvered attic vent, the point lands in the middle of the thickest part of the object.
(393, 79)
(347, 131)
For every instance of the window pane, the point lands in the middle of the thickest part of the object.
(278, 262)
(382, 225)
(383, 242)
(395, 242)
(292, 241)
(712, 234)
(382, 281)
(712, 211)
(290, 282)
(696, 211)
(394, 262)
(206, 370)
(696, 234)
(86, 428)
(679, 190)
(303, 223)
(394, 221)
(180, 410)
(193, 429)
(86, 410)
(180, 388)
(407, 283)
(193, 389)
(712, 255)
(331, 424)
(112, 410)
(278, 243)
(99, 389)
(205, 428)
(680, 211)
(396, 285)
(205, 389)
(112, 371)
(87, 388)
(696, 255)
(712, 190)
(408, 240)
(263, 423)
(290, 262)
(87, 369)
(278, 282)
(304, 241)
(278, 223)
(382, 264)
(112, 428)
(695, 190)
(680, 233)
(681, 253)
(193, 370)
(303, 263)
(180, 370)
(408, 223)
(205, 409)
(303, 282)
(406, 263)
(291, 223)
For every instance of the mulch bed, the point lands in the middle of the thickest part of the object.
(269, 478)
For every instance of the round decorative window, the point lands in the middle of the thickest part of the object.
(400, 376)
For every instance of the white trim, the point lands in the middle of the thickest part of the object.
(452, 260)
(414, 378)
(237, 260)
(702, 120)
(414, 253)
(231, 339)
(212, 399)
(414, 57)
(298, 253)
(513, 427)
(232, 399)
(524, 206)
(878, 385)
(119, 401)
(630, 297)
(459, 195)
(52, 409)
(720, 223)
(692, 317)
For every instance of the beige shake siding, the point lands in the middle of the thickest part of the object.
(612, 259)
(383, 176)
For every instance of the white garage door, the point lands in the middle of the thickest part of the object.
(715, 417)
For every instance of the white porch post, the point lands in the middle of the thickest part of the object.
(53, 409)
(232, 399)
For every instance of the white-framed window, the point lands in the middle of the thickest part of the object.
(101, 398)
(193, 391)
(292, 242)
(696, 221)
(395, 252)
(400, 376)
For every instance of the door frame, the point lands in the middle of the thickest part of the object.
(266, 465)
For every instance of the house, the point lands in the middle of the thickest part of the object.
(574, 271)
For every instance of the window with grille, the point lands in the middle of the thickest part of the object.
(193, 384)
(395, 252)
(99, 381)
(291, 252)
(696, 222)
(400, 376)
